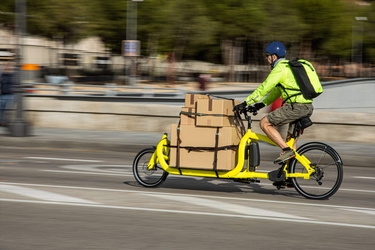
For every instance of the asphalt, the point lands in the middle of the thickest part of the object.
(352, 153)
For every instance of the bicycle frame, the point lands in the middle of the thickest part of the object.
(161, 156)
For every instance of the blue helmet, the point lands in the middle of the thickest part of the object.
(277, 48)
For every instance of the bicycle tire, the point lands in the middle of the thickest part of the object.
(144, 176)
(329, 172)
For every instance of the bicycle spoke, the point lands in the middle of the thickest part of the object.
(145, 176)
(326, 179)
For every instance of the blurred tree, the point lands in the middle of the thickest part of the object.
(283, 23)
(69, 20)
(327, 27)
(110, 22)
(369, 34)
(240, 23)
(195, 29)
(7, 14)
(186, 32)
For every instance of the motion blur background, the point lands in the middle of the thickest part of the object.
(181, 39)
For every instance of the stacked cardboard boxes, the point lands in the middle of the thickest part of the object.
(206, 137)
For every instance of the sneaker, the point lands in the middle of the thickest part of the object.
(284, 156)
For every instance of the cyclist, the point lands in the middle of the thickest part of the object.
(280, 83)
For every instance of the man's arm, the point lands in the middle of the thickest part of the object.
(272, 80)
(275, 93)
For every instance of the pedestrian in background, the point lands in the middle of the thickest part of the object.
(6, 91)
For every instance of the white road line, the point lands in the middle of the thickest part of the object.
(227, 206)
(360, 211)
(190, 195)
(195, 213)
(364, 177)
(99, 172)
(60, 159)
(83, 172)
(41, 195)
(356, 190)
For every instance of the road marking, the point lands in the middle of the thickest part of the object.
(226, 206)
(370, 212)
(82, 172)
(356, 190)
(97, 168)
(79, 170)
(195, 213)
(182, 194)
(41, 195)
(364, 177)
(60, 159)
(94, 168)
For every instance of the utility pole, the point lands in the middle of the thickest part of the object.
(357, 39)
(18, 127)
(131, 35)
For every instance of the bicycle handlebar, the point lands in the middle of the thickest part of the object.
(244, 109)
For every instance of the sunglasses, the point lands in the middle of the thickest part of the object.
(267, 55)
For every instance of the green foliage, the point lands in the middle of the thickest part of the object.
(69, 20)
(195, 29)
(7, 17)
(110, 22)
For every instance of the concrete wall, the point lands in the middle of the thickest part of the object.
(49, 112)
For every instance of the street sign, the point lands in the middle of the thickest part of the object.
(131, 47)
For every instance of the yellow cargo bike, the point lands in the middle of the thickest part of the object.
(316, 172)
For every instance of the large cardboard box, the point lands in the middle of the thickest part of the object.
(197, 146)
(187, 116)
(191, 99)
(215, 112)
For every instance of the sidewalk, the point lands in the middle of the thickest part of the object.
(353, 154)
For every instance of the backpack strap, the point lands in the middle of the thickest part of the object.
(301, 77)
(289, 96)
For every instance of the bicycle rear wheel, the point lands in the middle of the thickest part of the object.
(328, 174)
(144, 176)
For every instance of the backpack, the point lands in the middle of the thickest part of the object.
(306, 78)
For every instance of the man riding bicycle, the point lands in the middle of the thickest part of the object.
(280, 83)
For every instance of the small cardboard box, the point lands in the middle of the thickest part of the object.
(215, 112)
(191, 99)
(197, 146)
(186, 118)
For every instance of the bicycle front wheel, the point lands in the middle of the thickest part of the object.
(328, 175)
(145, 176)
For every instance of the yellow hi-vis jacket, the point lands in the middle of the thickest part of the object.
(281, 82)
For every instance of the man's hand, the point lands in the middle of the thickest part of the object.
(259, 105)
(240, 107)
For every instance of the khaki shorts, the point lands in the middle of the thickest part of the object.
(288, 114)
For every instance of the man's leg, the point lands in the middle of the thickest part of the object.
(275, 136)
(272, 132)
(288, 137)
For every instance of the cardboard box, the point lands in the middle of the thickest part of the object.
(226, 159)
(197, 146)
(215, 112)
(187, 119)
(191, 99)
